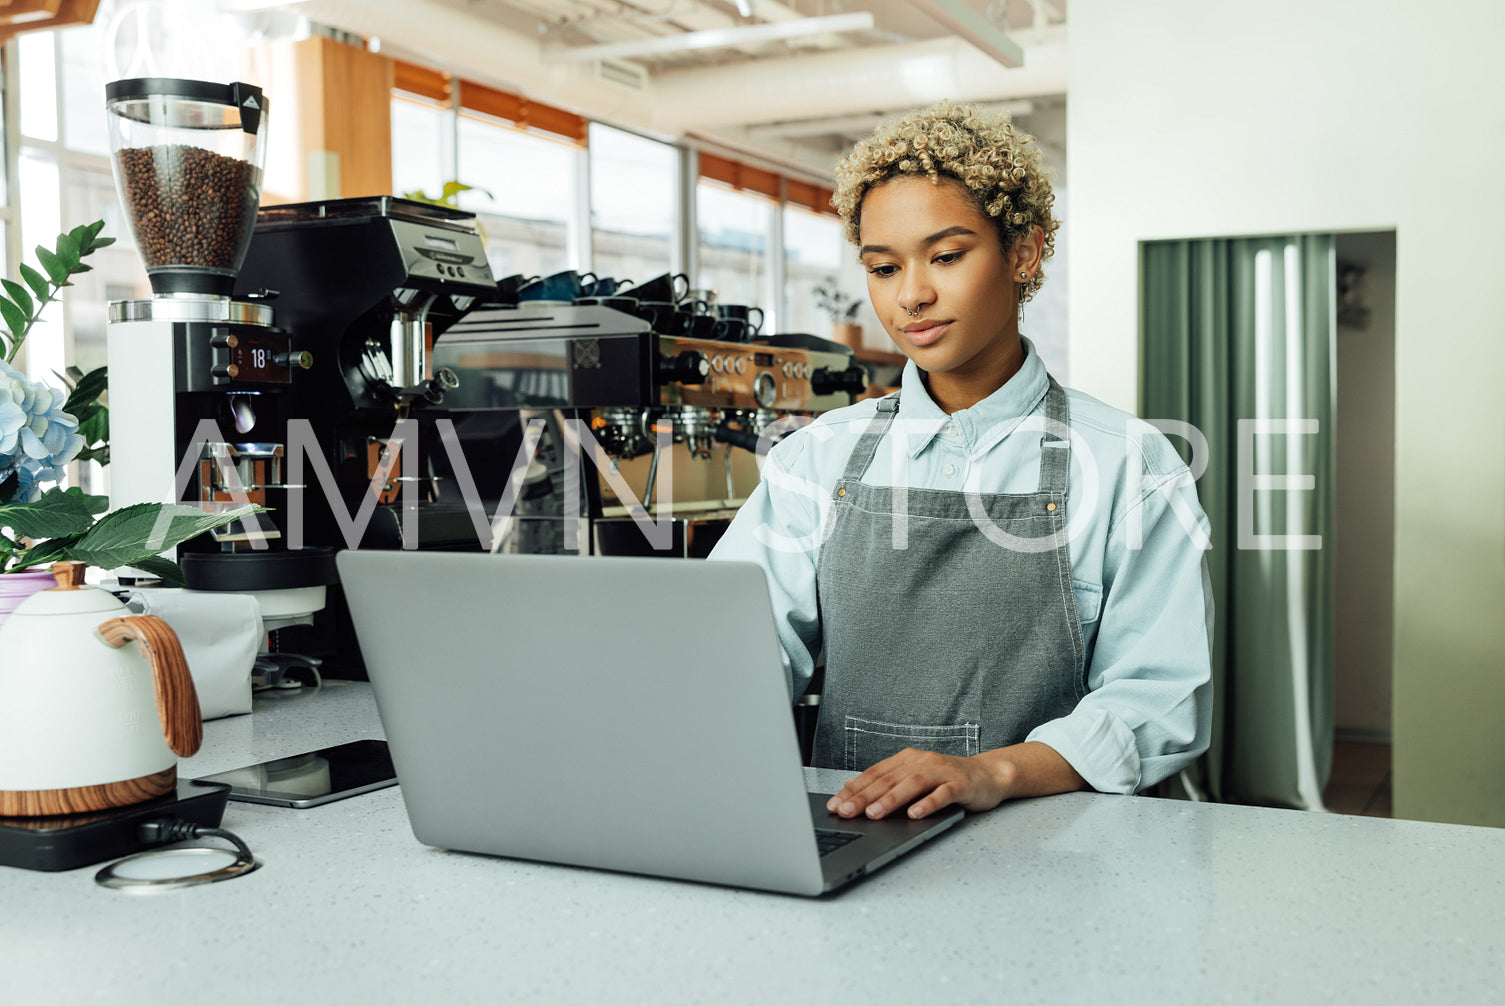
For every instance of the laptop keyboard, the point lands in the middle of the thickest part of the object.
(828, 841)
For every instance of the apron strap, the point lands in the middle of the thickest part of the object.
(862, 454)
(1055, 444)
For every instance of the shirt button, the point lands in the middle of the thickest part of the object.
(950, 470)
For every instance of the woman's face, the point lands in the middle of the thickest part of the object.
(928, 249)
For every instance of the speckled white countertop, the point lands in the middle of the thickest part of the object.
(1078, 899)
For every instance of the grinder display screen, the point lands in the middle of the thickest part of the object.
(259, 358)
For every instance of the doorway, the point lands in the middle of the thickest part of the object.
(1289, 329)
(1364, 523)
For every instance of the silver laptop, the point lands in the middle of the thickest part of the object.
(626, 714)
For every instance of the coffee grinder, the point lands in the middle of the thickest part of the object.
(200, 381)
(368, 285)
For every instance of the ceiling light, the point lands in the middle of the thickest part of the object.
(714, 38)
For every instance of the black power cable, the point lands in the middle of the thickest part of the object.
(164, 830)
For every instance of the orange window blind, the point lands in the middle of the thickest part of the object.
(421, 80)
(814, 197)
(523, 112)
(768, 183)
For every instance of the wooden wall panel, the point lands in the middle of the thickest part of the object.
(330, 105)
(357, 97)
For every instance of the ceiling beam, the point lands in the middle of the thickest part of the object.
(859, 125)
(713, 38)
(975, 29)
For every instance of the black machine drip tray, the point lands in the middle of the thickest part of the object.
(66, 842)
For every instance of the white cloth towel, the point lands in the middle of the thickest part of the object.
(220, 633)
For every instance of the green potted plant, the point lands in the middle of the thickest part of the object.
(43, 428)
(843, 312)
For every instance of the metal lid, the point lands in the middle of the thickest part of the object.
(235, 312)
(248, 98)
(365, 207)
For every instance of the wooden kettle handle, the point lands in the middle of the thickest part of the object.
(177, 700)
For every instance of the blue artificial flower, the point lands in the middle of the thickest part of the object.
(37, 438)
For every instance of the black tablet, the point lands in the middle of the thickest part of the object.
(312, 778)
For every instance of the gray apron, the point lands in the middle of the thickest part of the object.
(957, 643)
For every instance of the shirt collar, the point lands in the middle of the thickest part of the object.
(984, 424)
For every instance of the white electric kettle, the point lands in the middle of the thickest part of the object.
(86, 721)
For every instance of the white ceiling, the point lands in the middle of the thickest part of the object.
(798, 102)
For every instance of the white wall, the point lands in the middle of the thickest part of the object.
(1195, 118)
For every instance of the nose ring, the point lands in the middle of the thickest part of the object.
(912, 314)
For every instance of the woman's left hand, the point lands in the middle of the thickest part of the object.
(926, 781)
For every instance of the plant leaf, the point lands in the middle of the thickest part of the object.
(95, 228)
(39, 286)
(50, 550)
(55, 514)
(133, 533)
(162, 569)
(9, 483)
(102, 243)
(15, 319)
(84, 413)
(81, 268)
(96, 504)
(55, 268)
(96, 428)
(66, 248)
(87, 389)
(18, 294)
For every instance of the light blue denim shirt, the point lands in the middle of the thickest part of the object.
(1136, 539)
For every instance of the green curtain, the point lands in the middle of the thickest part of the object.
(1239, 332)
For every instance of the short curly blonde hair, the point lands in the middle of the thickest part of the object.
(1001, 167)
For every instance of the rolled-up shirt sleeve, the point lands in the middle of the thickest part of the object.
(779, 528)
(1148, 711)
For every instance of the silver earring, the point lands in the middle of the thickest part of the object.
(1024, 275)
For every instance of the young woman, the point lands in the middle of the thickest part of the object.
(1006, 577)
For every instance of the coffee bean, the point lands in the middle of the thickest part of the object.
(188, 206)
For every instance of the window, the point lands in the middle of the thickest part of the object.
(524, 195)
(634, 204)
(84, 126)
(419, 131)
(37, 57)
(116, 272)
(734, 229)
(63, 179)
(814, 247)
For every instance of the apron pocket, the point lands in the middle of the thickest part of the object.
(870, 741)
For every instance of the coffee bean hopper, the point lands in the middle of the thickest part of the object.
(188, 156)
(200, 381)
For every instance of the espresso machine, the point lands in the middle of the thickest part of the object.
(601, 381)
(200, 379)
